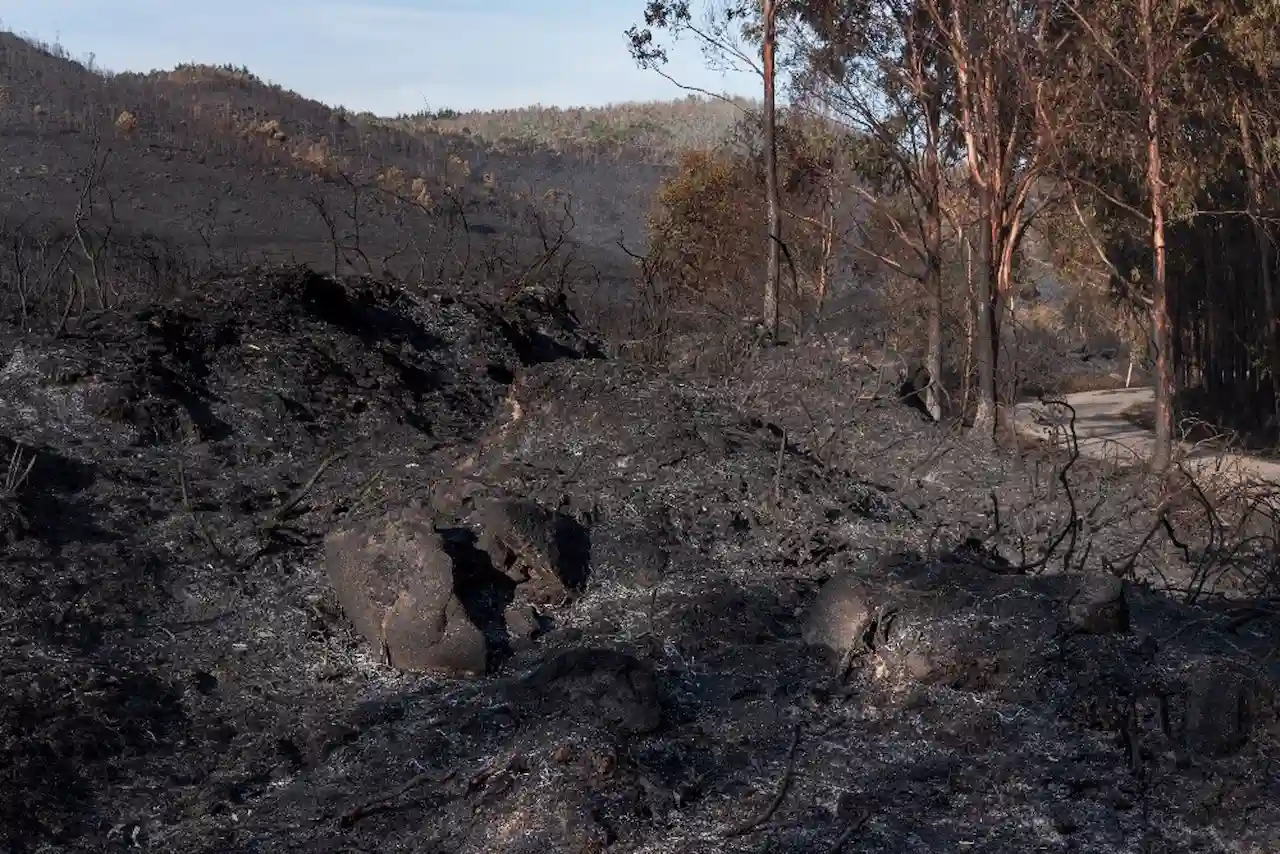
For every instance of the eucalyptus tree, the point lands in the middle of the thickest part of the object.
(940, 83)
(925, 84)
(1004, 64)
(723, 32)
(879, 71)
(1163, 79)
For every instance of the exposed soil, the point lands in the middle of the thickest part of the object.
(177, 673)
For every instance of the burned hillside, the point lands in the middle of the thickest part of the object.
(296, 562)
(269, 176)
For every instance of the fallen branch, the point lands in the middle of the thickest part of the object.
(785, 784)
(200, 526)
(18, 471)
(278, 517)
(864, 815)
(271, 527)
(1071, 530)
(385, 800)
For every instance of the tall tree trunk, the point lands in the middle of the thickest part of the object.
(926, 61)
(1002, 252)
(933, 285)
(772, 268)
(971, 334)
(977, 94)
(984, 327)
(1161, 330)
(1009, 242)
(828, 249)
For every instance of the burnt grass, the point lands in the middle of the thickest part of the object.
(176, 674)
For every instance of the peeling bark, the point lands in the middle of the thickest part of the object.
(772, 266)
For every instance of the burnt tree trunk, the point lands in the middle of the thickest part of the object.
(924, 60)
(933, 286)
(984, 327)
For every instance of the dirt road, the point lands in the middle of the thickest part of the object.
(1104, 432)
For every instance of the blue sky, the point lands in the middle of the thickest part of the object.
(386, 56)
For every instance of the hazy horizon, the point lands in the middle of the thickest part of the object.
(383, 56)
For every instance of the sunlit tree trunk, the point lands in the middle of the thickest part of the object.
(984, 326)
(773, 203)
(925, 70)
(1161, 331)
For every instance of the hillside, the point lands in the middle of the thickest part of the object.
(243, 189)
(654, 130)
(303, 564)
(267, 175)
(608, 190)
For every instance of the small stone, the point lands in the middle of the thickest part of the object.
(602, 764)
(1099, 606)
(919, 666)
(841, 614)
(522, 626)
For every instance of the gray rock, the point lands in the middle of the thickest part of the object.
(841, 615)
(547, 552)
(395, 583)
(1099, 606)
(522, 625)
(931, 622)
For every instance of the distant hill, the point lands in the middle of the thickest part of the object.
(203, 158)
(656, 131)
(214, 159)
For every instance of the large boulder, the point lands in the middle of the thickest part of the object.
(1099, 606)
(842, 615)
(956, 622)
(541, 326)
(395, 582)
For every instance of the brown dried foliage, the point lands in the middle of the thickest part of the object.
(707, 235)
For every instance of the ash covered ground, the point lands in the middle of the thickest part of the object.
(663, 613)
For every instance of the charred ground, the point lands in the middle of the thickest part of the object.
(178, 673)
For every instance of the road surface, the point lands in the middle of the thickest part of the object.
(1104, 432)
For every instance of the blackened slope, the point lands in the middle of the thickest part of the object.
(164, 437)
(294, 358)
